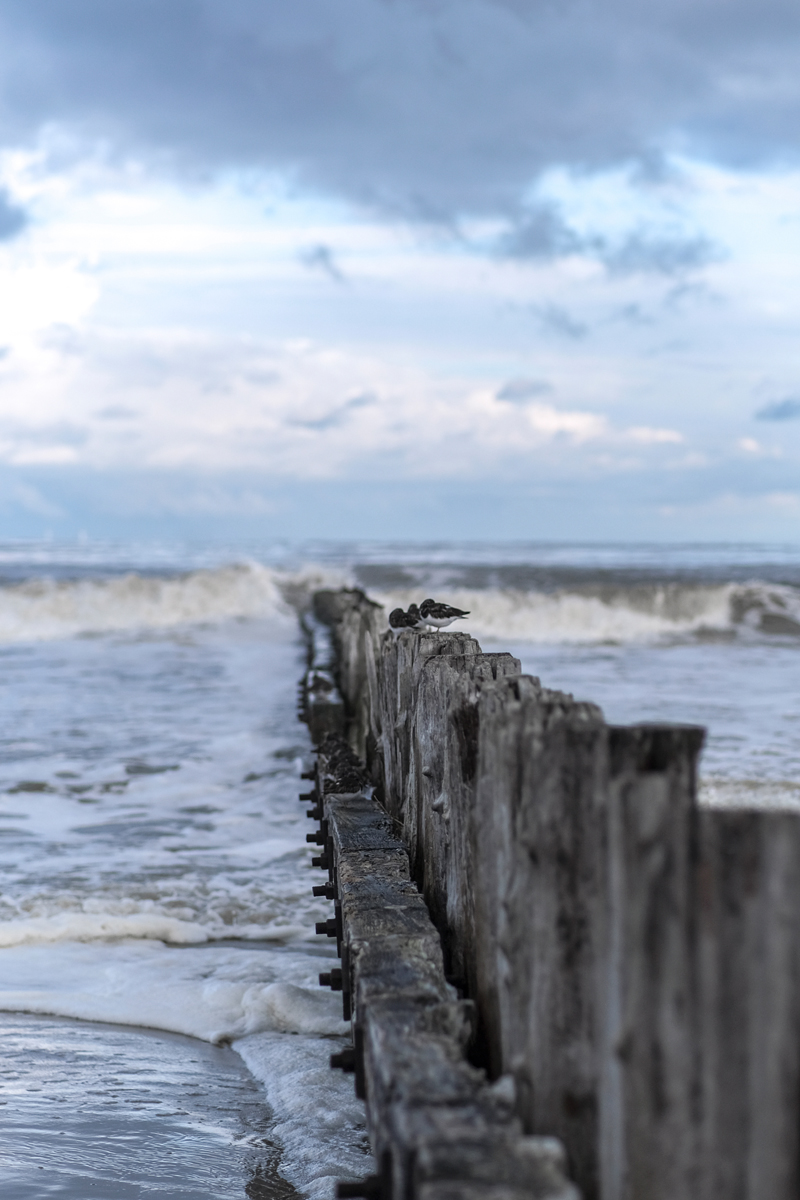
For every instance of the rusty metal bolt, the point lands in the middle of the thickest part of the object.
(345, 1060)
(331, 979)
(328, 890)
(327, 927)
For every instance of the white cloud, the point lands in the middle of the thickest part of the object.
(38, 294)
(582, 426)
(178, 400)
(756, 449)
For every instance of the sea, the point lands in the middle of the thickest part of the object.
(164, 1034)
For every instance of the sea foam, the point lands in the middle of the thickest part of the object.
(90, 927)
(216, 993)
(44, 609)
(636, 613)
(305, 1094)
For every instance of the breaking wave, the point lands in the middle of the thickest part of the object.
(640, 613)
(44, 609)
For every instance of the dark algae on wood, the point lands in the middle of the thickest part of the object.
(563, 976)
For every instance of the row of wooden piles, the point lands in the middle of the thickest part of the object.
(633, 961)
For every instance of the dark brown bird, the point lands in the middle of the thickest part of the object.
(440, 615)
(400, 620)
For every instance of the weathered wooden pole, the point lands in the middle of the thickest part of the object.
(748, 904)
(537, 880)
(648, 985)
(444, 769)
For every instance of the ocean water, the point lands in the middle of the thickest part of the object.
(157, 963)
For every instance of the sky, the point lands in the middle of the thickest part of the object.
(400, 268)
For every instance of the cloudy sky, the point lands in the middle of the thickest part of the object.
(407, 268)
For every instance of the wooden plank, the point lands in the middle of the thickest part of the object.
(649, 1084)
(543, 769)
(401, 661)
(748, 898)
(445, 763)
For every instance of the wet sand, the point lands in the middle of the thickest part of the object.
(121, 1113)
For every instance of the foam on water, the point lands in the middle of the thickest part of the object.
(51, 608)
(89, 927)
(216, 994)
(720, 792)
(292, 1072)
(48, 608)
(153, 865)
(622, 614)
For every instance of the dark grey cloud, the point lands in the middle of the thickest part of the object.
(421, 106)
(645, 254)
(520, 391)
(542, 233)
(321, 258)
(780, 410)
(12, 219)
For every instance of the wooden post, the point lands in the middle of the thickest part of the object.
(648, 986)
(542, 774)
(445, 768)
(748, 890)
(400, 664)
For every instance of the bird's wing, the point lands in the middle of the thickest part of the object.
(441, 611)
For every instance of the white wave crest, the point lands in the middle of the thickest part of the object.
(718, 791)
(45, 609)
(91, 927)
(214, 993)
(621, 614)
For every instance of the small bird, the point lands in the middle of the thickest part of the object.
(440, 615)
(399, 620)
(416, 616)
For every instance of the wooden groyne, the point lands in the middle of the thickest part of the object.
(610, 968)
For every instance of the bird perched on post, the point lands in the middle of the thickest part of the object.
(415, 615)
(399, 620)
(440, 615)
